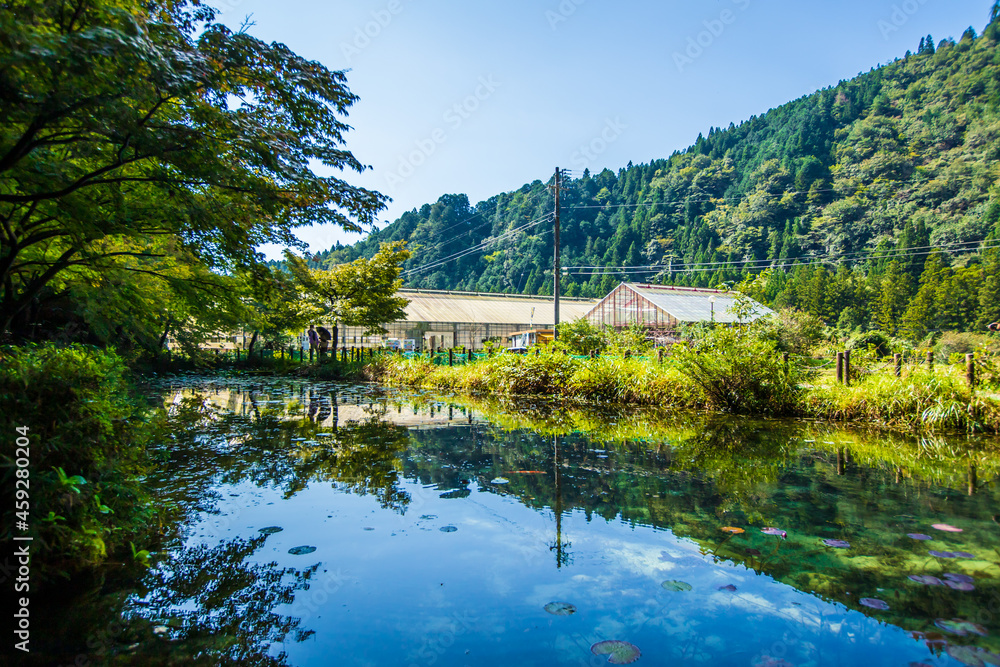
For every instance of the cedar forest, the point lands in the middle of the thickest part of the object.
(874, 203)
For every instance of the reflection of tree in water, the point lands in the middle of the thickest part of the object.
(270, 446)
(217, 607)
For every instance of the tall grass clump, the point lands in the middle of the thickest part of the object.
(87, 434)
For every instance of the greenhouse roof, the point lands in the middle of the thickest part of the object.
(478, 308)
(694, 305)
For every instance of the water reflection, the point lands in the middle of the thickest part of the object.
(436, 531)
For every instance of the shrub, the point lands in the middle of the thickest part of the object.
(87, 437)
(740, 371)
(580, 336)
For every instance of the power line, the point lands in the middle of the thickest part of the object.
(478, 247)
(787, 262)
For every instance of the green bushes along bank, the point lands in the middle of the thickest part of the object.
(734, 370)
(86, 431)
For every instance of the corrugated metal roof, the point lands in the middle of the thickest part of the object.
(489, 308)
(690, 305)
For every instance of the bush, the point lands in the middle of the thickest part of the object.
(87, 438)
(580, 336)
(793, 331)
(741, 371)
(955, 342)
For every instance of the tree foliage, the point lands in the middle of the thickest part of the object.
(361, 293)
(130, 131)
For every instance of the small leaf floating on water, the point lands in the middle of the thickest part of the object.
(679, 586)
(962, 628)
(973, 655)
(301, 551)
(447, 529)
(560, 608)
(271, 530)
(874, 603)
(732, 529)
(774, 531)
(768, 661)
(919, 536)
(727, 587)
(837, 544)
(946, 528)
(951, 554)
(963, 578)
(926, 579)
(619, 652)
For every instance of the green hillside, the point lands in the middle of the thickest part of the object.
(874, 201)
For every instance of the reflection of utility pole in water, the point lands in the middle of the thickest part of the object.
(972, 479)
(840, 460)
(562, 558)
(334, 409)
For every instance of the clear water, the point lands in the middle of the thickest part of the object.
(419, 530)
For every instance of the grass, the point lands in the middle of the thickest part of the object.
(921, 400)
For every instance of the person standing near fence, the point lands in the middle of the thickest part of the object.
(313, 339)
(324, 340)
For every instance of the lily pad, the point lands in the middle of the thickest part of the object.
(271, 530)
(960, 585)
(946, 528)
(777, 532)
(560, 608)
(619, 652)
(679, 586)
(837, 544)
(728, 587)
(301, 551)
(973, 655)
(500, 480)
(732, 529)
(964, 578)
(447, 529)
(926, 579)
(957, 626)
(874, 603)
(919, 536)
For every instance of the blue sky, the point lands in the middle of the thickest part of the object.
(480, 98)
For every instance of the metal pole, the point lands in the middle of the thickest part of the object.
(555, 265)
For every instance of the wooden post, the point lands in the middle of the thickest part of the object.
(470, 355)
(628, 354)
(451, 357)
(237, 354)
(847, 367)
(840, 368)
(538, 352)
(310, 354)
(659, 355)
(897, 360)
(784, 360)
(970, 370)
(930, 360)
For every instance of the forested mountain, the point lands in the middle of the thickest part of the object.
(874, 201)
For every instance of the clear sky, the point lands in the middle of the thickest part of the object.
(481, 97)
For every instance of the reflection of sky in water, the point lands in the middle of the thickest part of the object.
(394, 589)
(407, 593)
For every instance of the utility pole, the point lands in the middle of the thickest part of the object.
(555, 263)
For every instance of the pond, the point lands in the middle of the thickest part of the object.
(317, 524)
